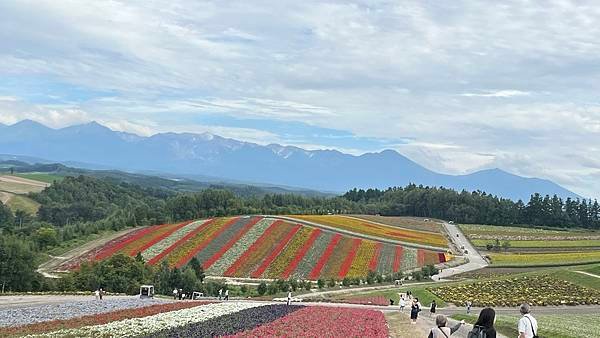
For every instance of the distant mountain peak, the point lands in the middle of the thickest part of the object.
(211, 155)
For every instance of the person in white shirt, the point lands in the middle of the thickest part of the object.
(289, 298)
(97, 294)
(402, 304)
(175, 292)
(528, 326)
(227, 294)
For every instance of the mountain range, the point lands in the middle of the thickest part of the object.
(205, 155)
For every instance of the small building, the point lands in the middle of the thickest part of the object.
(147, 291)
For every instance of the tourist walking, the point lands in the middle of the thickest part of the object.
(180, 294)
(220, 294)
(97, 294)
(402, 304)
(432, 308)
(100, 293)
(441, 330)
(415, 308)
(289, 298)
(528, 326)
(484, 327)
(469, 304)
(227, 294)
(175, 294)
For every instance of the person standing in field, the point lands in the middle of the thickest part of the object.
(415, 308)
(100, 293)
(441, 330)
(484, 327)
(402, 303)
(175, 292)
(469, 304)
(227, 294)
(97, 294)
(432, 308)
(528, 326)
(289, 298)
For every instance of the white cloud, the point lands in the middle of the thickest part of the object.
(472, 84)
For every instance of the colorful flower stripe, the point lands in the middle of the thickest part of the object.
(248, 253)
(182, 240)
(262, 251)
(375, 229)
(375, 258)
(221, 238)
(159, 238)
(292, 264)
(431, 257)
(109, 250)
(271, 257)
(205, 242)
(189, 249)
(237, 250)
(96, 319)
(420, 257)
(247, 225)
(356, 243)
(386, 259)
(89, 255)
(136, 327)
(365, 256)
(159, 247)
(409, 258)
(312, 257)
(324, 321)
(283, 260)
(316, 271)
(134, 247)
(233, 323)
(398, 258)
(332, 268)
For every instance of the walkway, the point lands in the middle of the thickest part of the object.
(476, 261)
(587, 273)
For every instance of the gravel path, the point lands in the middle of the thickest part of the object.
(14, 316)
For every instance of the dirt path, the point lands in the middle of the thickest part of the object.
(49, 266)
(476, 261)
(587, 273)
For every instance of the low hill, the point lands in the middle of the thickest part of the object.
(269, 247)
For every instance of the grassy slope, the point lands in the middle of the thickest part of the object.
(544, 259)
(42, 177)
(493, 231)
(555, 326)
(414, 223)
(20, 202)
(544, 244)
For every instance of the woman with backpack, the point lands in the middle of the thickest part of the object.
(484, 327)
(441, 331)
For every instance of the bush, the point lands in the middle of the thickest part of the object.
(262, 288)
(321, 283)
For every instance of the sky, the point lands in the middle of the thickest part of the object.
(456, 86)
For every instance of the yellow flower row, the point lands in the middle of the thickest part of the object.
(376, 229)
(360, 264)
(284, 259)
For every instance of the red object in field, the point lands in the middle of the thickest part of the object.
(349, 258)
(375, 258)
(397, 258)
(316, 271)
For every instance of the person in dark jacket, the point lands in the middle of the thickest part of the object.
(415, 308)
(486, 320)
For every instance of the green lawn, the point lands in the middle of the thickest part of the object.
(425, 297)
(20, 202)
(579, 278)
(550, 326)
(594, 269)
(42, 177)
(491, 232)
(584, 243)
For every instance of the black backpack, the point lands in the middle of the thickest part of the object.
(477, 332)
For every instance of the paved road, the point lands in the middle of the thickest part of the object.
(476, 261)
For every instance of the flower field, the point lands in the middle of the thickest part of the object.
(258, 247)
(203, 319)
(376, 230)
(544, 258)
(537, 290)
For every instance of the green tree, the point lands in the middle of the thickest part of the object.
(321, 283)
(46, 237)
(262, 288)
(17, 265)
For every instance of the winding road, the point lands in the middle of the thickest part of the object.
(475, 260)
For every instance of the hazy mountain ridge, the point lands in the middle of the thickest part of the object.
(216, 156)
